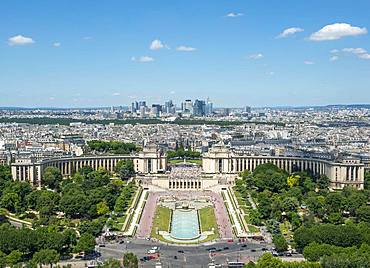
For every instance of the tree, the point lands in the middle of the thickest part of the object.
(255, 217)
(115, 147)
(11, 201)
(269, 176)
(130, 260)
(124, 198)
(363, 213)
(102, 208)
(74, 203)
(293, 180)
(334, 202)
(290, 204)
(367, 180)
(14, 257)
(47, 202)
(46, 257)
(111, 263)
(280, 243)
(70, 237)
(86, 243)
(52, 178)
(268, 261)
(2, 259)
(125, 169)
(323, 182)
(5, 176)
(314, 251)
(250, 264)
(335, 218)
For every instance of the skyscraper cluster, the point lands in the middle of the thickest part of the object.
(188, 107)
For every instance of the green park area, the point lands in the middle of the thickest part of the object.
(302, 214)
(66, 215)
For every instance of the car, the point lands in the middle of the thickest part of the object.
(213, 248)
(101, 245)
(226, 248)
(175, 257)
(264, 249)
(244, 246)
(253, 250)
(288, 254)
(180, 251)
(122, 241)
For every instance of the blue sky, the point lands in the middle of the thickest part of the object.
(99, 53)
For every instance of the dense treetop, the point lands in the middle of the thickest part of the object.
(111, 147)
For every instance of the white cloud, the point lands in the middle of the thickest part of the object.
(142, 59)
(51, 98)
(256, 56)
(334, 51)
(334, 58)
(172, 92)
(234, 14)
(337, 31)
(365, 56)
(270, 73)
(289, 32)
(87, 37)
(57, 44)
(116, 94)
(20, 40)
(359, 52)
(157, 44)
(308, 62)
(185, 48)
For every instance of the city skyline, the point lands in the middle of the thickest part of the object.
(97, 55)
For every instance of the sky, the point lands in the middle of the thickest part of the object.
(91, 53)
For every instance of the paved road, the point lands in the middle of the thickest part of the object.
(192, 256)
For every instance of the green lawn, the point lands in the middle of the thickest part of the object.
(161, 221)
(208, 222)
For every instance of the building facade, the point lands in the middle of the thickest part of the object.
(221, 160)
(219, 166)
(149, 161)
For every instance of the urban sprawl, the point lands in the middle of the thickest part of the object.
(186, 185)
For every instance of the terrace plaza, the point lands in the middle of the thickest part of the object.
(186, 203)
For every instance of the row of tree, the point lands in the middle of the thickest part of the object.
(111, 147)
(182, 153)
